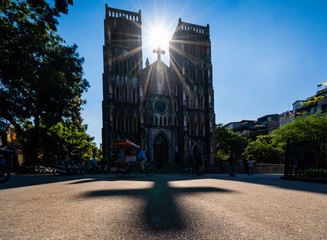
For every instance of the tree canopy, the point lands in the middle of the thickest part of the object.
(263, 150)
(303, 128)
(41, 78)
(228, 141)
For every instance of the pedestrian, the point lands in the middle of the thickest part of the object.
(94, 164)
(198, 161)
(141, 158)
(250, 164)
(232, 162)
(201, 169)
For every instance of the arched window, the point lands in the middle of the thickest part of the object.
(195, 103)
(188, 101)
(125, 67)
(135, 125)
(116, 67)
(202, 103)
(134, 96)
(126, 124)
(126, 95)
(165, 122)
(117, 93)
(156, 121)
(118, 124)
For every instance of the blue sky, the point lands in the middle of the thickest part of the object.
(266, 54)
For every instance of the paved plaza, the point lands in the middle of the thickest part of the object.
(171, 206)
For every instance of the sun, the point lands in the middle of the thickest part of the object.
(159, 36)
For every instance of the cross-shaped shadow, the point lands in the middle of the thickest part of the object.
(161, 212)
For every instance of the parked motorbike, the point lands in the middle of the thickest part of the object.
(70, 168)
(4, 171)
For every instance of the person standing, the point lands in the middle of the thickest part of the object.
(232, 163)
(94, 164)
(141, 157)
(198, 161)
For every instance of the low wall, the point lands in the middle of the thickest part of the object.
(269, 168)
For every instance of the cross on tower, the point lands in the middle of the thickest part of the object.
(159, 51)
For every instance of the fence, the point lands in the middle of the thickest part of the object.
(302, 158)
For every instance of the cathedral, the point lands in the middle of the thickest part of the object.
(167, 110)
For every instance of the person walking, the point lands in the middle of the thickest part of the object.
(250, 164)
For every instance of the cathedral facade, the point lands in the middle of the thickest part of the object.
(167, 110)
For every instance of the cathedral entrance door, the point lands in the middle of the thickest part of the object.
(160, 150)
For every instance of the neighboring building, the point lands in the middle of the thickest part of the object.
(286, 117)
(251, 128)
(168, 110)
(267, 124)
(237, 125)
(314, 103)
(244, 127)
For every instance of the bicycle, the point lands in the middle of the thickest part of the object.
(133, 168)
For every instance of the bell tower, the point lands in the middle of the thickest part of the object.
(190, 60)
(122, 62)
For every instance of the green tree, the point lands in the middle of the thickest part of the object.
(41, 79)
(303, 128)
(68, 138)
(228, 141)
(263, 150)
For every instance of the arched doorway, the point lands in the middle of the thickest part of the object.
(160, 149)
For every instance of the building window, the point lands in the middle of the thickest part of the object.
(117, 93)
(126, 125)
(134, 96)
(118, 124)
(135, 125)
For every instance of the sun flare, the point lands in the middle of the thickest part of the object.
(159, 37)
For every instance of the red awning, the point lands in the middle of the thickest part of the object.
(125, 143)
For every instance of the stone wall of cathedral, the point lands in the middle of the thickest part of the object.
(166, 110)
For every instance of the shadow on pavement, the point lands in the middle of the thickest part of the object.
(16, 181)
(161, 213)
